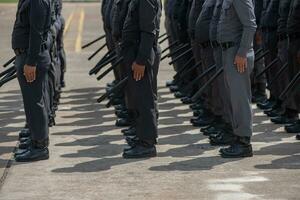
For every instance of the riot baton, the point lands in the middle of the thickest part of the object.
(262, 56)
(97, 51)
(114, 65)
(171, 53)
(107, 56)
(210, 81)
(7, 79)
(92, 42)
(186, 65)
(258, 51)
(10, 74)
(290, 86)
(180, 56)
(9, 61)
(7, 71)
(99, 65)
(277, 75)
(184, 74)
(267, 68)
(117, 87)
(201, 76)
(180, 48)
(170, 46)
(162, 35)
(164, 39)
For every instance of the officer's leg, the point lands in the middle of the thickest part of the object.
(141, 101)
(239, 88)
(221, 132)
(19, 63)
(207, 118)
(34, 96)
(258, 84)
(291, 109)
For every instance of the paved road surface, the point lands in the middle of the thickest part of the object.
(86, 148)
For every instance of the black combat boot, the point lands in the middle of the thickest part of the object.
(130, 131)
(241, 148)
(140, 149)
(289, 117)
(293, 128)
(124, 122)
(186, 100)
(179, 95)
(222, 138)
(25, 144)
(37, 151)
(268, 104)
(174, 88)
(24, 133)
(170, 83)
(122, 114)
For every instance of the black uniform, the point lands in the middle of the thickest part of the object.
(29, 43)
(139, 44)
(293, 29)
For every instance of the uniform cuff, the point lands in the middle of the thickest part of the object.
(31, 61)
(242, 52)
(140, 60)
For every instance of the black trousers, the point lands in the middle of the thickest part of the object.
(141, 96)
(34, 96)
(293, 101)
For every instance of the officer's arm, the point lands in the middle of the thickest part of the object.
(258, 11)
(38, 17)
(147, 17)
(245, 12)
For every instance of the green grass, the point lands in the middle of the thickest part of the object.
(8, 1)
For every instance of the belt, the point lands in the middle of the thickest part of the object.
(214, 44)
(227, 45)
(19, 51)
(204, 45)
(294, 36)
(282, 37)
(269, 29)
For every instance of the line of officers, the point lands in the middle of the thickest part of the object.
(225, 54)
(37, 40)
(245, 47)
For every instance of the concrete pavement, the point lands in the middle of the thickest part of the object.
(86, 162)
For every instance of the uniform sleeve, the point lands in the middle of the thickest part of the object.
(245, 12)
(258, 11)
(147, 17)
(38, 17)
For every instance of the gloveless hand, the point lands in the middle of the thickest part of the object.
(30, 73)
(138, 71)
(240, 63)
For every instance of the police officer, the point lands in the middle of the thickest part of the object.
(32, 62)
(236, 30)
(119, 12)
(60, 44)
(258, 83)
(207, 60)
(220, 133)
(268, 27)
(139, 44)
(282, 38)
(293, 30)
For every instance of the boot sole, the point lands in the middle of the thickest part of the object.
(33, 160)
(125, 156)
(237, 156)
